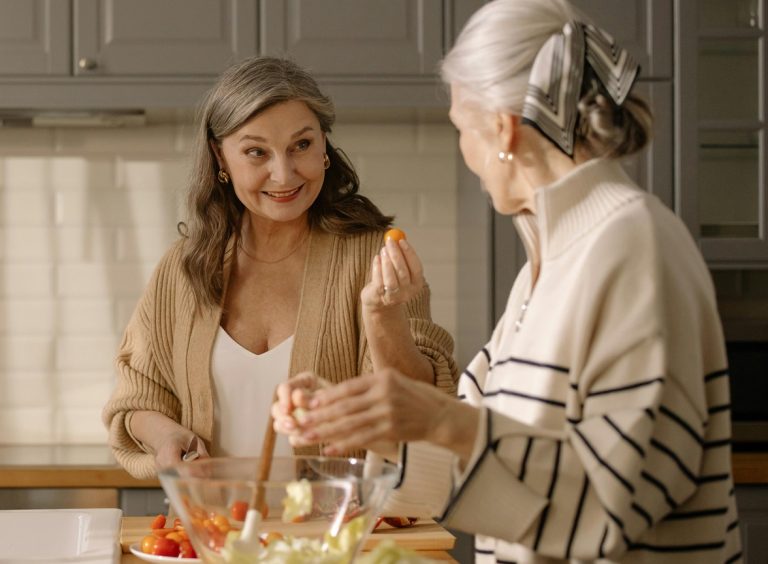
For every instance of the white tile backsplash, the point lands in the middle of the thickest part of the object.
(85, 214)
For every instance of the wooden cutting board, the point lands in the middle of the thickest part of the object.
(424, 535)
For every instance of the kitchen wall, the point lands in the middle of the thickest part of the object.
(85, 214)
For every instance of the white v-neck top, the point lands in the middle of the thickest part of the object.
(243, 389)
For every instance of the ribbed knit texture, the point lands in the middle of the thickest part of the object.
(163, 361)
(604, 393)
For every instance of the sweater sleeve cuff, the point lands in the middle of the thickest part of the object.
(489, 499)
(425, 481)
(141, 445)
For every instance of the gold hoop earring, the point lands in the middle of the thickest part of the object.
(506, 157)
(326, 161)
(223, 176)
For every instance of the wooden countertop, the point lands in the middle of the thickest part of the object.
(50, 466)
(93, 466)
(426, 537)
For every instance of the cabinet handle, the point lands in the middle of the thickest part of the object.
(87, 64)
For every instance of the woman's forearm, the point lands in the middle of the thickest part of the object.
(455, 428)
(391, 343)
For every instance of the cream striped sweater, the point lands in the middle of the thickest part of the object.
(164, 360)
(606, 428)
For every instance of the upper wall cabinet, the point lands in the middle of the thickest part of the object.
(642, 26)
(168, 38)
(107, 54)
(365, 52)
(35, 37)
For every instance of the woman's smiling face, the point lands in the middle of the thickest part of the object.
(275, 161)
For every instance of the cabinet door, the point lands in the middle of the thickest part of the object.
(168, 38)
(34, 37)
(360, 38)
(642, 26)
(721, 167)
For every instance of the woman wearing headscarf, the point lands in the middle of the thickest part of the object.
(594, 426)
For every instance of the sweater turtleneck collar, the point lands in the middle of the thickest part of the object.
(569, 207)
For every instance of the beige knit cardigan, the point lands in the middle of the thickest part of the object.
(163, 363)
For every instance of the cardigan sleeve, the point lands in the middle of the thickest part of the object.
(141, 382)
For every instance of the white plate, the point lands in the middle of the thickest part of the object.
(59, 536)
(136, 550)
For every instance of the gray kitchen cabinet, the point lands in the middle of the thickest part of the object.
(721, 130)
(365, 53)
(360, 38)
(752, 502)
(642, 26)
(34, 37)
(169, 38)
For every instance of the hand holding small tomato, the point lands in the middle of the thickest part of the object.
(396, 274)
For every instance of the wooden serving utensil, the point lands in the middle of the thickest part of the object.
(265, 464)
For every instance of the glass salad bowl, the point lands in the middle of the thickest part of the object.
(309, 509)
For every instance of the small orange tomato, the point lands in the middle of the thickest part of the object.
(175, 537)
(158, 522)
(186, 550)
(271, 537)
(160, 533)
(395, 235)
(148, 544)
(238, 510)
(222, 523)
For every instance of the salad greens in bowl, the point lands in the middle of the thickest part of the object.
(310, 508)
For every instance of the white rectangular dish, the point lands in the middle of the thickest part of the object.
(45, 536)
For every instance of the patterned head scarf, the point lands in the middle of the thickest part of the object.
(557, 79)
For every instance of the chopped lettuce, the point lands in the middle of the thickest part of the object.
(298, 502)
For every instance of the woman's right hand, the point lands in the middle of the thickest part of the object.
(164, 437)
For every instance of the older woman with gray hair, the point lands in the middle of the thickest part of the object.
(282, 267)
(594, 425)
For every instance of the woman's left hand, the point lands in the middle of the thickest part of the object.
(396, 276)
(385, 408)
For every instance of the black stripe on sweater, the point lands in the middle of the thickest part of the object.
(601, 552)
(524, 463)
(576, 518)
(535, 363)
(604, 463)
(552, 482)
(643, 513)
(716, 374)
(717, 444)
(624, 436)
(684, 515)
(732, 526)
(714, 478)
(678, 547)
(676, 459)
(719, 408)
(471, 376)
(682, 423)
(487, 355)
(625, 388)
(505, 392)
(661, 487)
(734, 558)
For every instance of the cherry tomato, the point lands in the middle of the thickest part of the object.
(395, 234)
(186, 550)
(400, 522)
(222, 523)
(148, 544)
(166, 547)
(160, 533)
(271, 537)
(238, 510)
(158, 522)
